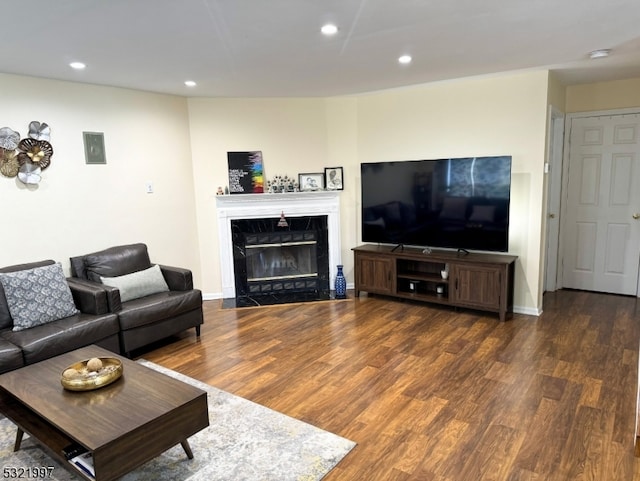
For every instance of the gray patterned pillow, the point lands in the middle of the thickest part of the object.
(37, 296)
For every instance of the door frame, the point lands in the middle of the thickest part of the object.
(565, 175)
(553, 169)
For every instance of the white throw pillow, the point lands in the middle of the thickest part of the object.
(138, 284)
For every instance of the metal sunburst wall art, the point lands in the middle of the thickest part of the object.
(26, 158)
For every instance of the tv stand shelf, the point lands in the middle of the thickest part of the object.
(475, 281)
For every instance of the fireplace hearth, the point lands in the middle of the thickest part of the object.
(265, 261)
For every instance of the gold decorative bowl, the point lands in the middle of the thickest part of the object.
(78, 377)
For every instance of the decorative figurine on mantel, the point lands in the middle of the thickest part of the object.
(219, 191)
(281, 184)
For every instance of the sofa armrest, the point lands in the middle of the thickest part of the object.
(177, 278)
(89, 298)
(110, 295)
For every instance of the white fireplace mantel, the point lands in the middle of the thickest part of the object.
(260, 206)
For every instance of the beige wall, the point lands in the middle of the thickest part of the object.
(617, 94)
(489, 116)
(557, 94)
(503, 115)
(79, 208)
(294, 135)
(181, 146)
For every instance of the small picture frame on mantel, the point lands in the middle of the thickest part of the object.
(333, 178)
(94, 152)
(311, 181)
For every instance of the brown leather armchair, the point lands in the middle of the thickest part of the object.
(150, 307)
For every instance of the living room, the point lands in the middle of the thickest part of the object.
(178, 146)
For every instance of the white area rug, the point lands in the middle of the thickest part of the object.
(244, 442)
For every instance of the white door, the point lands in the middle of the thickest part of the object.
(601, 247)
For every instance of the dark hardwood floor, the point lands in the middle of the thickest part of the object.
(432, 394)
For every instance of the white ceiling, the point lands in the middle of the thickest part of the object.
(273, 48)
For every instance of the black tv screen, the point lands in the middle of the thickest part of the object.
(460, 203)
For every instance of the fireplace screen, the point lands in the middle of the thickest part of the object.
(267, 262)
(270, 261)
(281, 261)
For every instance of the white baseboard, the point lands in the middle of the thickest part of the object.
(529, 311)
(211, 297)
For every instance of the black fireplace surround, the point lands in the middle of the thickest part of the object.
(277, 262)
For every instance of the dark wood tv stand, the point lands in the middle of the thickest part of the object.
(475, 281)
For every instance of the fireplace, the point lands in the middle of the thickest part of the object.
(278, 261)
(266, 263)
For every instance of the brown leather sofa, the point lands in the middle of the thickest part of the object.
(147, 318)
(92, 325)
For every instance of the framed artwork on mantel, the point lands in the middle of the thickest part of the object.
(246, 174)
(311, 181)
(333, 178)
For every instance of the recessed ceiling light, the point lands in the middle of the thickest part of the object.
(77, 65)
(329, 29)
(404, 59)
(190, 83)
(604, 52)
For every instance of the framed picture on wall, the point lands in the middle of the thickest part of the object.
(94, 152)
(311, 181)
(333, 178)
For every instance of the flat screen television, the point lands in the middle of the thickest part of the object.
(460, 203)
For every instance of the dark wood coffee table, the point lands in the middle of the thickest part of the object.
(124, 424)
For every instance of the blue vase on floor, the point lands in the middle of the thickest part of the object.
(340, 284)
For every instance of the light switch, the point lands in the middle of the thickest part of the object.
(148, 187)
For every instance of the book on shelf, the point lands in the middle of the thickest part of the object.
(84, 463)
